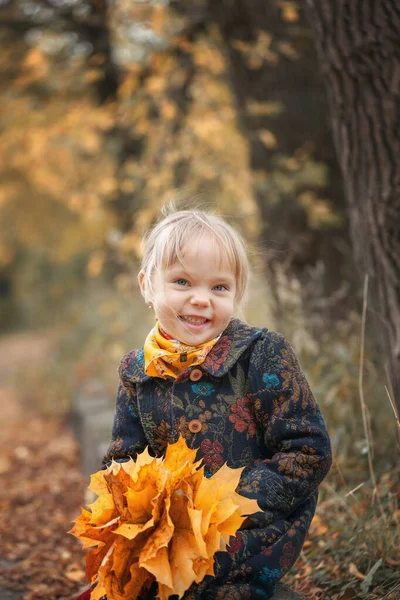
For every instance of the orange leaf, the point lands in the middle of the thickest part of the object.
(75, 575)
(178, 454)
(317, 527)
(353, 570)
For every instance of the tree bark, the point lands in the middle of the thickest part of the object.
(358, 42)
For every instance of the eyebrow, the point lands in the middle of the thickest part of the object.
(223, 277)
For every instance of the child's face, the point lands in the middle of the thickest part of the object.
(195, 302)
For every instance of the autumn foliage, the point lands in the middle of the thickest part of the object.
(158, 518)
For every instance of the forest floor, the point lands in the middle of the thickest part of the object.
(41, 493)
(43, 489)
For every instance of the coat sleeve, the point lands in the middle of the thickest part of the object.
(297, 445)
(127, 438)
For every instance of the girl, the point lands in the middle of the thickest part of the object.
(233, 391)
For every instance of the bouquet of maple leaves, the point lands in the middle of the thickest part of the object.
(158, 519)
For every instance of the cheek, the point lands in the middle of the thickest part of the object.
(226, 310)
(230, 309)
(166, 307)
(173, 298)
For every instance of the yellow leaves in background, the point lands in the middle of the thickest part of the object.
(6, 254)
(173, 125)
(319, 211)
(8, 191)
(288, 50)
(210, 130)
(264, 109)
(91, 141)
(159, 18)
(156, 84)
(184, 118)
(108, 185)
(132, 244)
(92, 75)
(268, 138)
(59, 149)
(290, 11)
(158, 518)
(208, 57)
(168, 110)
(35, 68)
(95, 264)
(129, 83)
(257, 52)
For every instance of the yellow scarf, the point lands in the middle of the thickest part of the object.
(165, 357)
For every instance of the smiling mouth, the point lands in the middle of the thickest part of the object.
(194, 320)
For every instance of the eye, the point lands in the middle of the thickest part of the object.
(220, 287)
(181, 281)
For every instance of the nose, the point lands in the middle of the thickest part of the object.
(200, 299)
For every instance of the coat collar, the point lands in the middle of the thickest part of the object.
(236, 338)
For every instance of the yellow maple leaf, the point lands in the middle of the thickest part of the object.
(158, 519)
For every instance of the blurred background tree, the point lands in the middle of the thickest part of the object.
(109, 109)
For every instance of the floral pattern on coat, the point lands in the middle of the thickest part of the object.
(256, 410)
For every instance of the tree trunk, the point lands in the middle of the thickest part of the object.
(358, 42)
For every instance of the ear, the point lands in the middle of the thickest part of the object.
(140, 279)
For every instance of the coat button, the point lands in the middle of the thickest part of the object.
(195, 375)
(195, 426)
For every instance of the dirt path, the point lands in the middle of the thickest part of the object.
(41, 491)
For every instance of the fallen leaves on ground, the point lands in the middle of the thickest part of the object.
(352, 549)
(42, 489)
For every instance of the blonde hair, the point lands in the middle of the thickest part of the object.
(164, 244)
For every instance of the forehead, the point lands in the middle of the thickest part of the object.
(203, 254)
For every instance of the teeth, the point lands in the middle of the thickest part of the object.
(194, 321)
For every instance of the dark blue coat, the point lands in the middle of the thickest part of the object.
(250, 405)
